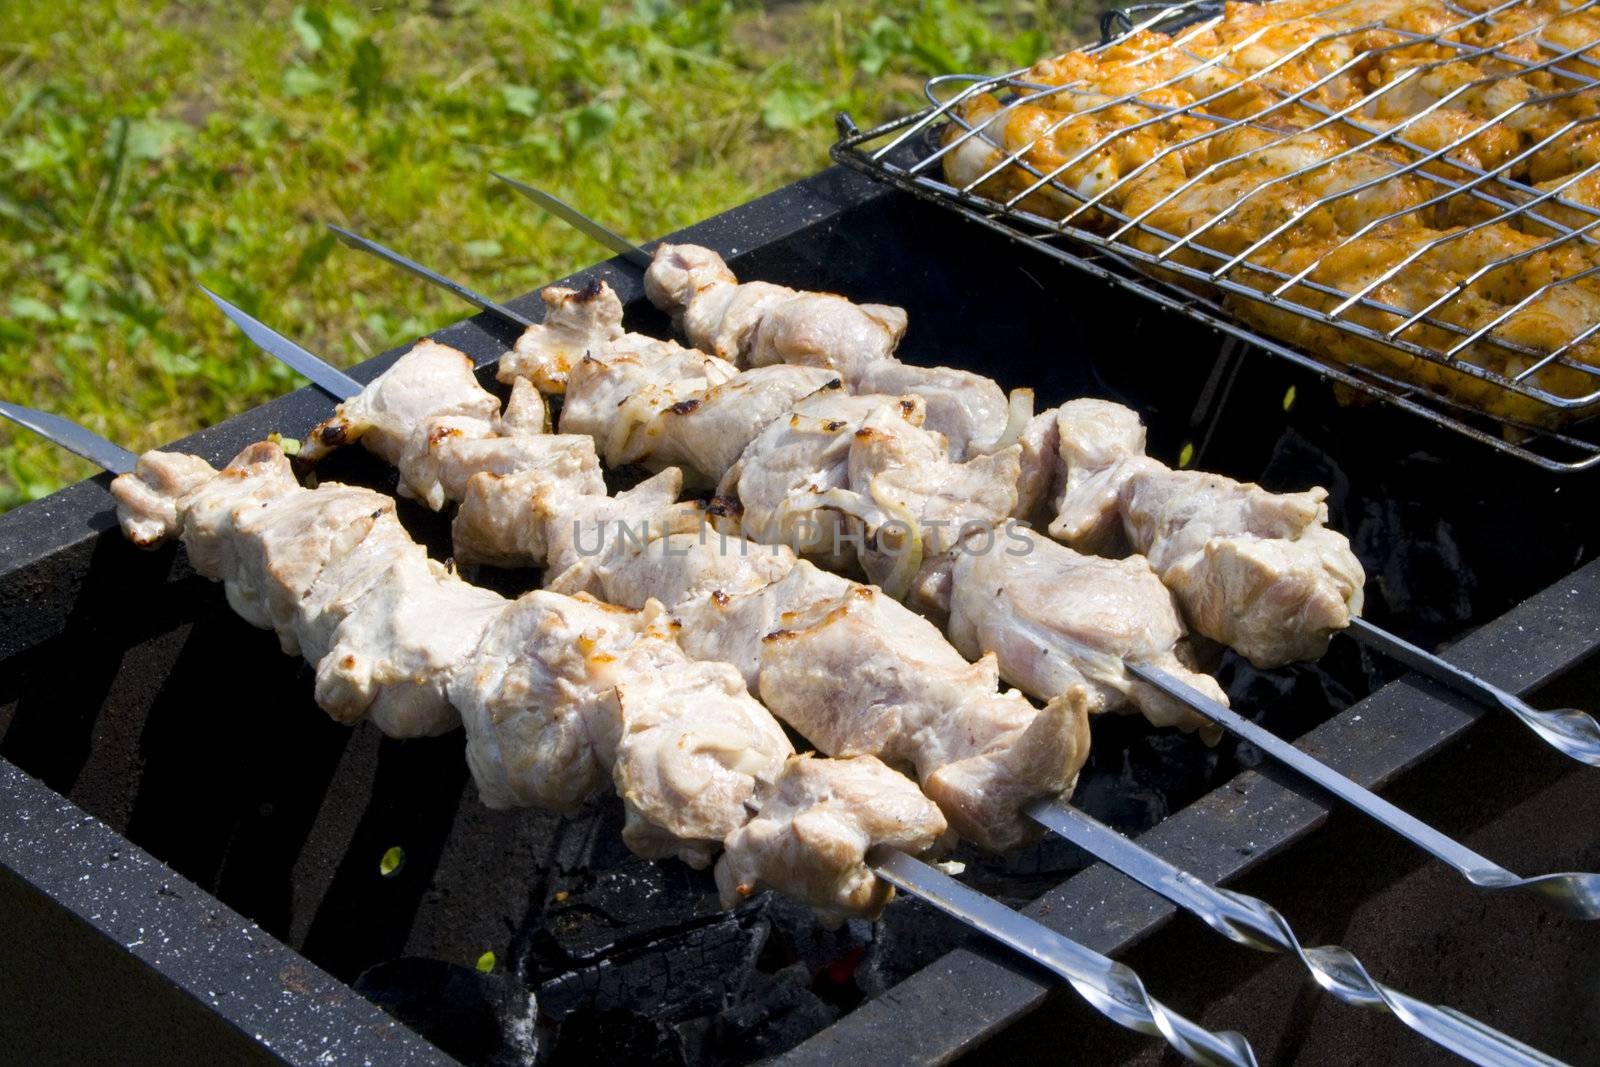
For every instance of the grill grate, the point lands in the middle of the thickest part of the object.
(1502, 346)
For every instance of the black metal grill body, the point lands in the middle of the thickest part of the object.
(186, 826)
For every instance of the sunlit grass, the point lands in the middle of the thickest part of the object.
(145, 148)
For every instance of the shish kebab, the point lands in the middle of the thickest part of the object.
(325, 568)
(1020, 661)
(375, 415)
(1571, 731)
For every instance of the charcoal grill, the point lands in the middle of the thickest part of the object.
(195, 867)
(1189, 272)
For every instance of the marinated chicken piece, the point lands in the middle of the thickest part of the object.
(1040, 444)
(430, 381)
(706, 434)
(504, 519)
(365, 540)
(695, 748)
(618, 396)
(441, 461)
(1257, 571)
(1056, 619)
(726, 592)
(1302, 195)
(658, 404)
(257, 476)
(576, 322)
(566, 693)
(817, 823)
(292, 556)
(1088, 500)
(511, 477)
(597, 530)
(860, 471)
(458, 435)
(757, 323)
(447, 450)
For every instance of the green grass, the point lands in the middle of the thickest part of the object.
(144, 148)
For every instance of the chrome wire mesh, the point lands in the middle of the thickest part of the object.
(1498, 376)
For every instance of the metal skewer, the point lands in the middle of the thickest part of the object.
(1253, 922)
(1570, 731)
(1111, 988)
(1240, 918)
(72, 437)
(619, 244)
(1576, 893)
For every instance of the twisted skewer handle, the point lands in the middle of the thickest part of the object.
(1111, 988)
(1253, 922)
(1576, 892)
(1572, 732)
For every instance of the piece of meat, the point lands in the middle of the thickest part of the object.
(1056, 619)
(971, 411)
(1099, 434)
(817, 823)
(576, 322)
(393, 655)
(859, 674)
(706, 434)
(568, 693)
(757, 323)
(915, 503)
(727, 593)
(430, 381)
(334, 574)
(1254, 570)
(147, 498)
(617, 395)
(782, 481)
(862, 674)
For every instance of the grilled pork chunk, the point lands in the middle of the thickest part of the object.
(431, 381)
(815, 828)
(1258, 571)
(857, 673)
(560, 693)
(569, 694)
(1056, 619)
(757, 323)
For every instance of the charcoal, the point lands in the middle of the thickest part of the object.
(908, 937)
(777, 1013)
(599, 897)
(1115, 798)
(693, 972)
(617, 1035)
(478, 1018)
(798, 937)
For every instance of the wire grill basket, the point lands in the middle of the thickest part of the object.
(1400, 237)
